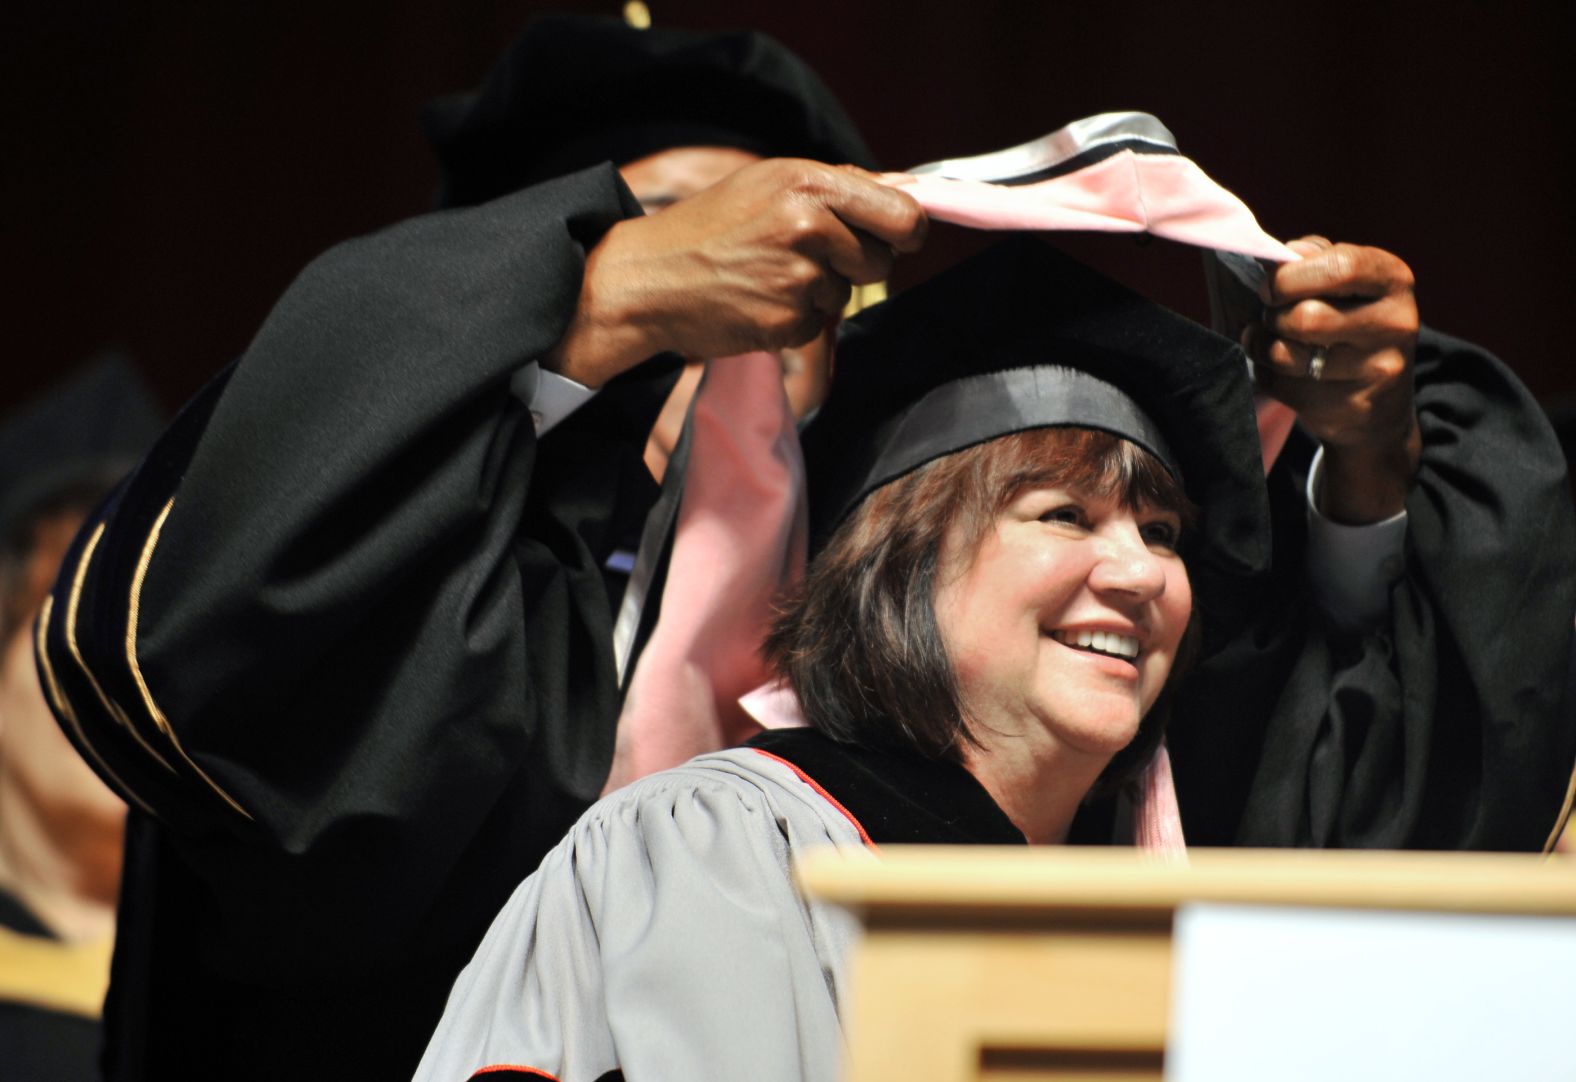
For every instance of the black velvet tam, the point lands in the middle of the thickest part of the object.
(574, 91)
(75, 440)
(1023, 337)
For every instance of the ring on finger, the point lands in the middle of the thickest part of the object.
(1316, 363)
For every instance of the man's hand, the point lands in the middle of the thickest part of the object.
(761, 260)
(1354, 305)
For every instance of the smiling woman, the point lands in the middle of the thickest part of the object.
(1031, 493)
(1003, 560)
(1063, 626)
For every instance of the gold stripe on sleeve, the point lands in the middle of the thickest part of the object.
(110, 707)
(154, 712)
(66, 713)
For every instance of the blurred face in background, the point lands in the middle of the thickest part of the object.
(54, 811)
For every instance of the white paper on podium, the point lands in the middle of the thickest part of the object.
(1295, 994)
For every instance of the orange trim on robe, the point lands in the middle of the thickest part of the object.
(828, 797)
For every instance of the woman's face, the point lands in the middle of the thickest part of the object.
(1063, 628)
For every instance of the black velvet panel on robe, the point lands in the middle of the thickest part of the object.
(897, 798)
(902, 798)
(1450, 726)
(374, 620)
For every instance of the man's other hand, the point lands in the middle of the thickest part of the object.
(1353, 308)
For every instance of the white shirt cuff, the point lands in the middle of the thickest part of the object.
(1351, 568)
(549, 396)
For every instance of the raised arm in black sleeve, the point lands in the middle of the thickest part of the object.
(343, 638)
(1448, 726)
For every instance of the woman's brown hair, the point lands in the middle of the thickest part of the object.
(859, 642)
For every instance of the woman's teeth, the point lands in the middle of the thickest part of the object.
(1100, 642)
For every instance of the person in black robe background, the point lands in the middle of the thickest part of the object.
(345, 632)
(61, 829)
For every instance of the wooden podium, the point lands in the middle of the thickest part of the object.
(1012, 964)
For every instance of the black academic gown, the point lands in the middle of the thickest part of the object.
(1449, 726)
(343, 642)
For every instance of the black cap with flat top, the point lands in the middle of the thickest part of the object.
(76, 440)
(1023, 337)
(576, 90)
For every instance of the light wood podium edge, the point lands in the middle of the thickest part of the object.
(916, 879)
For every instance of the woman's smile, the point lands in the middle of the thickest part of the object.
(1105, 643)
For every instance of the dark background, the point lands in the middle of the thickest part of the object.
(169, 167)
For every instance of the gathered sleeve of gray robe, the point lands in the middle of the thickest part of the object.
(664, 939)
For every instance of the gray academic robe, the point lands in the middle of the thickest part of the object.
(664, 938)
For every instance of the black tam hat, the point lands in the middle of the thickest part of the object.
(577, 90)
(1023, 337)
(74, 442)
